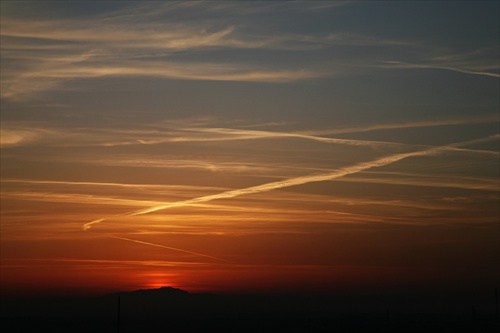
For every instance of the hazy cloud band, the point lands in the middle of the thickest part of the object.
(300, 180)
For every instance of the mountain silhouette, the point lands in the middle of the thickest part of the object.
(169, 309)
(159, 292)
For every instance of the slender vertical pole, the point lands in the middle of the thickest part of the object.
(118, 317)
(496, 302)
(387, 317)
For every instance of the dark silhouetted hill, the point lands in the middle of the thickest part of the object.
(169, 309)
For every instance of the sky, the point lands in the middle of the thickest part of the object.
(251, 147)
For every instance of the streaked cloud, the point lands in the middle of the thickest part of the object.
(98, 263)
(16, 134)
(402, 65)
(215, 166)
(301, 180)
(50, 52)
(484, 184)
(413, 124)
(76, 198)
(106, 184)
(139, 41)
(13, 138)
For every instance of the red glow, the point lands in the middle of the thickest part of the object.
(155, 284)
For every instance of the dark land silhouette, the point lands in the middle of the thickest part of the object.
(173, 310)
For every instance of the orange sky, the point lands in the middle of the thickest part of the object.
(213, 147)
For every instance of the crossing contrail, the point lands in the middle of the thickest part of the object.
(400, 64)
(379, 162)
(170, 248)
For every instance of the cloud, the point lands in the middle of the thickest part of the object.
(214, 166)
(213, 134)
(10, 138)
(21, 135)
(39, 79)
(151, 41)
(241, 134)
(169, 188)
(300, 180)
(293, 207)
(44, 53)
(412, 124)
(76, 198)
(402, 65)
(99, 263)
(167, 37)
(483, 184)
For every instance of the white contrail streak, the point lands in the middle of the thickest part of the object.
(411, 124)
(300, 180)
(170, 248)
(454, 69)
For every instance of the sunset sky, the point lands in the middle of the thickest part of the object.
(249, 146)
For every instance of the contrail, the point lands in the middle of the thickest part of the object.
(454, 69)
(412, 124)
(301, 180)
(242, 134)
(170, 248)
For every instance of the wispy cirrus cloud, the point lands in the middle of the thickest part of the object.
(44, 53)
(168, 187)
(476, 183)
(16, 134)
(412, 124)
(174, 163)
(42, 78)
(11, 137)
(151, 41)
(301, 180)
(263, 217)
(403, 65)
(97, 263)
(120, 42)
(76, 198)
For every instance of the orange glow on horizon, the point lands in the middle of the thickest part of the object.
(155, 284)
(248, 146)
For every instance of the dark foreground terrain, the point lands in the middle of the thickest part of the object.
(173, 310)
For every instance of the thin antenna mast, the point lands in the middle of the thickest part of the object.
(118, 316)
